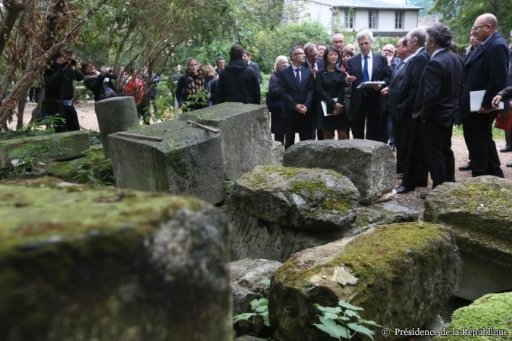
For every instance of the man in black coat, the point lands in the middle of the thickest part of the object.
(366, 103)
(437, 103)
(238, 82)
(393, 91)
(486, 69)
(297, 86)
(413, 166)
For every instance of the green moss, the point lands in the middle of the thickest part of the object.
(260, 179)
(33, 215)
(491, 198)
(370, 256)
(490, 311)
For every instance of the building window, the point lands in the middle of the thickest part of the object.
(399, 20)
(349, 18)
(373, 19)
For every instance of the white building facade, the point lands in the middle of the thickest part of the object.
(384, 18)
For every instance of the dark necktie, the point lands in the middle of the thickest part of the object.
(366, 76)
(297, 75)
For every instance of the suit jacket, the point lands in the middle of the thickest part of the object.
(486, 69)
(411, 82)
(440, 88)
(254, 66)
(380, 72)
(294, 93)
(395, 88)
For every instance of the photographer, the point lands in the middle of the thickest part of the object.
(101, 83)
(62, 71)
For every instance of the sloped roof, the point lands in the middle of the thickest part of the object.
(366, 4)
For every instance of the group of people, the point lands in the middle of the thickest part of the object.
(203, 86)
(410, 96)
(63, 71)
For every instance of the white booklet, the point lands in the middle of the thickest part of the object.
(476, 98)
(369, 84)
(324, 107)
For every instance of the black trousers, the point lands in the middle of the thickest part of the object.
(481, 146)
(437, 144)
(414, 165)
(368, 118)
(303, 124)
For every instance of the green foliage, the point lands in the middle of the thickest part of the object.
(343, 321)
(94, 169)
(197, 100)
(270, 44)
(461, 14)
(260, 308)
(27, 159)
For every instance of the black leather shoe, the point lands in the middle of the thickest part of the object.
(404, 189)
(509, 164)
(424, 195)
(466, 167)
(506, 150)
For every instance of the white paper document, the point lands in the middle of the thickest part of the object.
(476, 98)
(324, 107)
(369, 84)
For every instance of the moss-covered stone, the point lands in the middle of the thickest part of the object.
(304, 199)
(92, 168)
(488, 318)
(107, 264)
(404, 274)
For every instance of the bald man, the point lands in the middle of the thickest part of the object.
(485, 69)
(338, 42)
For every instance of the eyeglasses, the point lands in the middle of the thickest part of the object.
(474, 28)
(386, 50)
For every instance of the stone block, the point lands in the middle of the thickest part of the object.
(187, 160)
(60, 146)
(115, 114)
(112, 264)
(480, 212)
(370, 165)
(400, 274)
(245, 135)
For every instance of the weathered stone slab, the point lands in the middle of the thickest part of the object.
(401, 274)
(488, 318)
(112, 265)
(384, 213)
(61, 146)
(245, 135)
(187, 160)
(115, 114)
(480, 212)
(370, 165)
(316, 200)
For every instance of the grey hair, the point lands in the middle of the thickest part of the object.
(278, 60)
(419, 34)
(365, 33)
(440, 34)
(308, 47)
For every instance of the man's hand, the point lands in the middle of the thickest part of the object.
(301, 108)
(385, 91)
(338, 108)
(349, 79)
(483, 110)
(496, 101)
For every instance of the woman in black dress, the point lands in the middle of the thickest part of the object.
(330, 88)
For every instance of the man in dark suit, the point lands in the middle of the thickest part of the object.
(414, 167)
(297, 94)
(437, 103)
(486, 69)
(366, 103)
(254, 66)
(396, 108)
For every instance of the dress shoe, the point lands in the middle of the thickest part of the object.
(423, 195)
(509, 164)
(466, 167)
(404, 189)
(506, 150)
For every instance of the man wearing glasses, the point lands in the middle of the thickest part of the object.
(486, 69)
